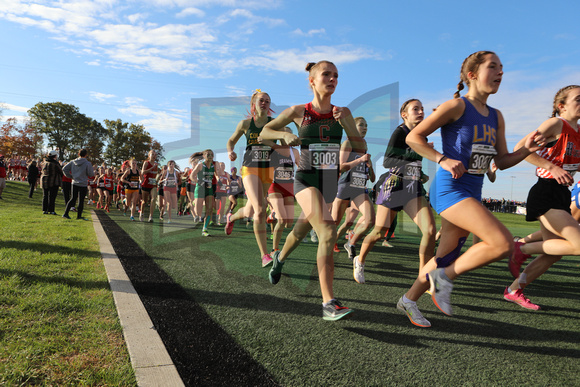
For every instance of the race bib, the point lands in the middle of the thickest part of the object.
(261, 153)
(413, 171)
(358, 180)
(570, 168)
(152, 181)
(324, 156)
(134, 184)
(284, 174)
(481, 156)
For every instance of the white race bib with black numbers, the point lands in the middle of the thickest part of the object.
(481, 156)
(413, 170)
(324, 156)
(284, 174)
(358, 180)
(260, 153)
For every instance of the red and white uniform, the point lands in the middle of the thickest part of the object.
(565, 154)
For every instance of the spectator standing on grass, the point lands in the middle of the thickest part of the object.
(2, 175)
(79, 170)
(51, 180)
(32, 177)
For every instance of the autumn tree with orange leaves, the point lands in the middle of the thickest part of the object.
(20, 139)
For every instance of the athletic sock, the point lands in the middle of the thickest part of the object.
(206, 222)
(406, 300)
(326, 303)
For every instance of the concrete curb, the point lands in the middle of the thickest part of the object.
(152, 364)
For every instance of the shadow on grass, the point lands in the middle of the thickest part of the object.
(54, 280)
(203, 353)
(45, 248)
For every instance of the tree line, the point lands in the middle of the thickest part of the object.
(63, 127)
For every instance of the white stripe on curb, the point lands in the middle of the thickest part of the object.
(149, 357)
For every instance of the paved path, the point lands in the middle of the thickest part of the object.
(149, 357)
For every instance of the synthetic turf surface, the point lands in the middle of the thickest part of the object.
(209, 357)
(487, 342)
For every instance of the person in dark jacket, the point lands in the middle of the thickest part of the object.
(33, 173)
(51, 180)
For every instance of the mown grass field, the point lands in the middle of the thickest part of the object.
(488, 341)
(58, 322)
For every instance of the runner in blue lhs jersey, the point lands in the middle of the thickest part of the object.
(472, 134)
(320, 126)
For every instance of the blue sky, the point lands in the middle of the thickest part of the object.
(143, 61)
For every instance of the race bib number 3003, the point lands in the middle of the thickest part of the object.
(324, 156)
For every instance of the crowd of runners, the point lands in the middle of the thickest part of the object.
(300, 157)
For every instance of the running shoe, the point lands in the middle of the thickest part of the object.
(517, 259)
(132, 219)
(518, 298)
(313, 236)
(351, 250)
(266, 260)
(335, 311)
(358, 271)
(270, 218)
(150, 220)
(140, 217)
(386, 243)
(64, 215)
(276, 270)
(229, 225)
(441, 290)
(336, 249)
(204, 233)
(413, 313)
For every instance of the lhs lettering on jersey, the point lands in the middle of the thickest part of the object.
(324, 129)
(485, 135)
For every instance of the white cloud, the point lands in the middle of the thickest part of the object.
(105, 33)
(156, 120)
(309, 33)
(190, 11)
(294, 60)
(14, 108)
(101, 96)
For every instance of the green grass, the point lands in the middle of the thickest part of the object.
(58, 322)
(487, 342)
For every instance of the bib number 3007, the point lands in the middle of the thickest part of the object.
(481, 156)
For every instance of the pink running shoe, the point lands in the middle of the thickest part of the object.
(229, 224)
(519, 298)
(517, 259)
(266, 260)
(336, 249)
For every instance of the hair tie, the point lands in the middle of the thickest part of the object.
(256, 91)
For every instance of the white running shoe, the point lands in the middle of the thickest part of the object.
(358, 270)
(413, 312)
(313, 236)
(441, 290)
